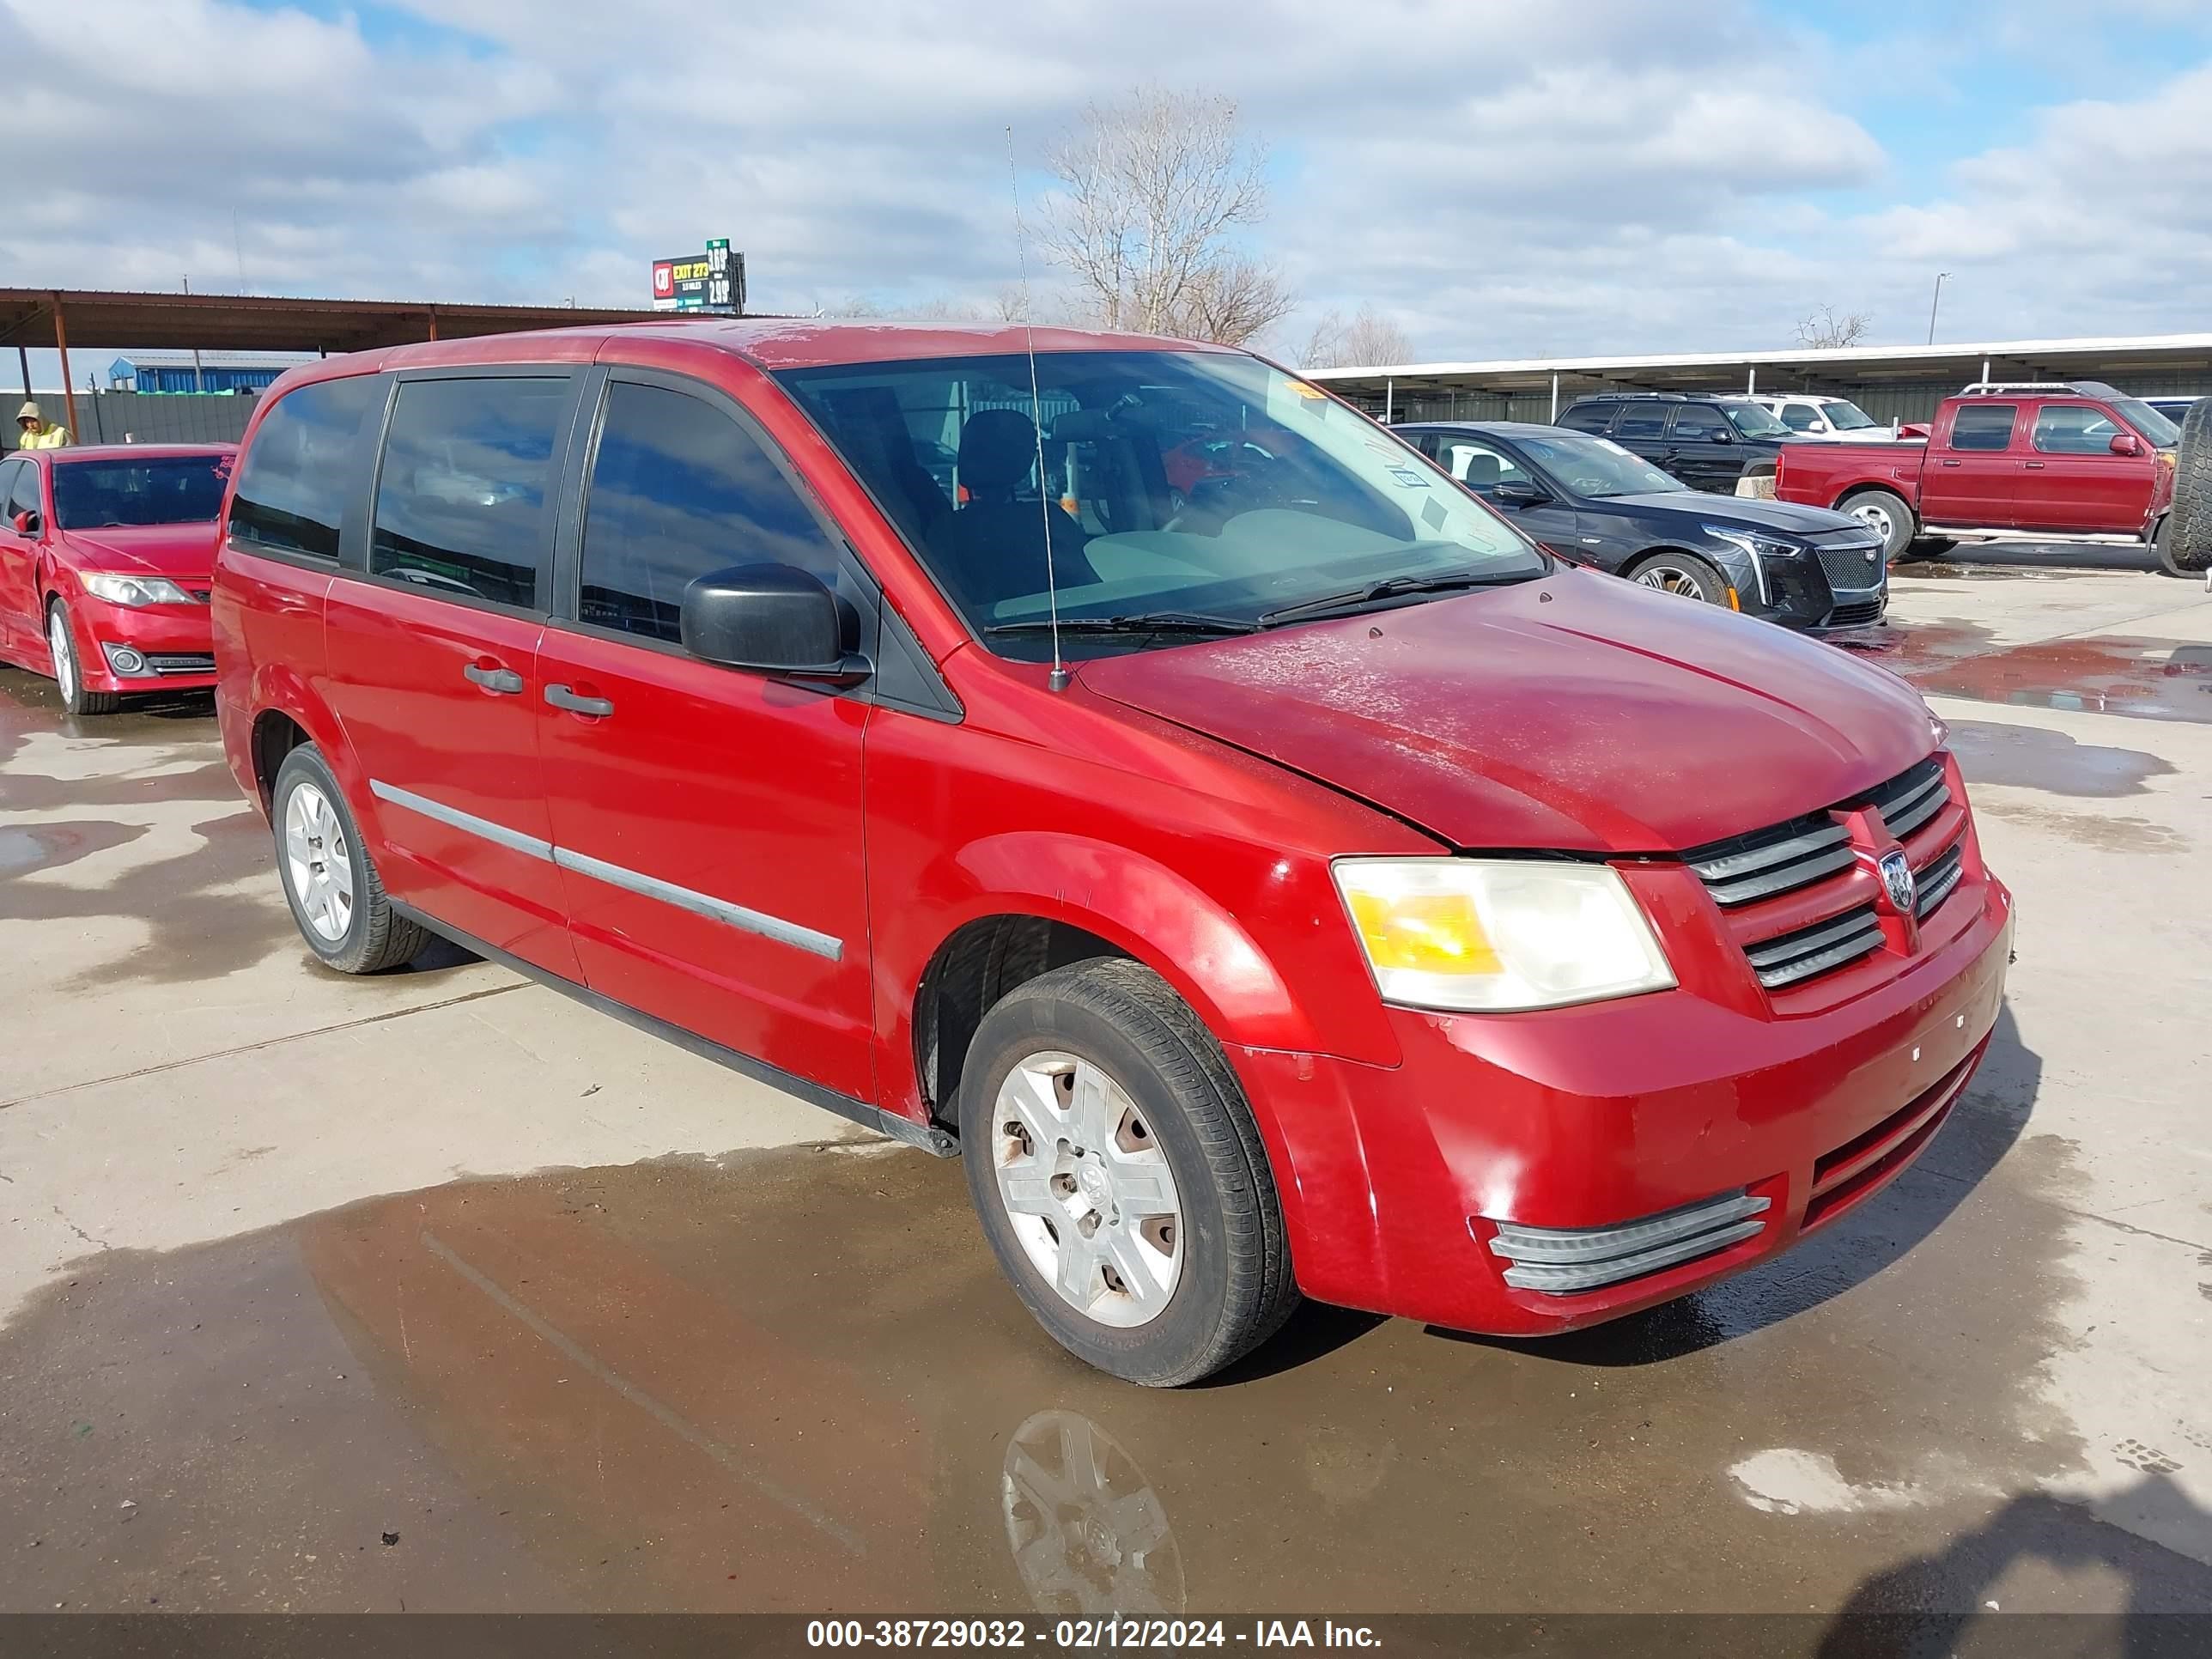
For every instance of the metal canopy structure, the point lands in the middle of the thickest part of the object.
(88, 319)
(1914, 373)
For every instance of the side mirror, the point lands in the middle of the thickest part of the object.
(1518, 492)
(27, 523)
(771, 618)
(2126, 443)
(1720, 435)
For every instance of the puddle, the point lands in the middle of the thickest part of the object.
(796, 1381)
(2144, 678)
(2030, 757)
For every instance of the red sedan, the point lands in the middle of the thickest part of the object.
(104, 555)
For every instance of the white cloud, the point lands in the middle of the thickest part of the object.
(1520, 176)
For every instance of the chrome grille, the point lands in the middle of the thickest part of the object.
(1935, 880)
(1789, 958)
(1772, 862)
(1910, 799)
(180, 662)
(1848, 568)
(1563, 1261)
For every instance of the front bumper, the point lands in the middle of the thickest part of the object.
(140, 648)
(1521, 1141)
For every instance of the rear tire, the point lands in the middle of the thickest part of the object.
(1888, 515)
(1119, 1177)
(1685, 574)
(68, 672)
(336, 896)
(2184, 538)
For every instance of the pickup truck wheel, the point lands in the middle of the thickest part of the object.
(329, 879)
(1888, 514)
(1682, 574)
(2184, 540)
(1119, 1175)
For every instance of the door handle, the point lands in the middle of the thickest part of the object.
(562, 696)
(2033, 466)
(1951, 463)
(503, 682)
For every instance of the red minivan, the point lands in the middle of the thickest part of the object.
(1290, 881)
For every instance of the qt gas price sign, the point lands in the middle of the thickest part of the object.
(712, 281)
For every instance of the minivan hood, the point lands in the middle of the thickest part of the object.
(1578, 712)
(1750, 512)
(175, 550)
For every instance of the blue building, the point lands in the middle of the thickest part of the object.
(215, 371)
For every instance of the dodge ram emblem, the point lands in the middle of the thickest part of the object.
(1897, 879)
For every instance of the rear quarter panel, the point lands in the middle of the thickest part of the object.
(1822, 475)
(267, 615)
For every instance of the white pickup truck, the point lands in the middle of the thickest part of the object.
(1836, 419)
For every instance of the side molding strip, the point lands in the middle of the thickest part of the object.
(616, 875)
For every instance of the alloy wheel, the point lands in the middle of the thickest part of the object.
(1088, 1189)
(1670, 579)
(65, 655)
(318, 861)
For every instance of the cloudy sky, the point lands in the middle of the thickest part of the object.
(1503, 178)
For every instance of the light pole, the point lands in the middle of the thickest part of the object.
(1934, 302)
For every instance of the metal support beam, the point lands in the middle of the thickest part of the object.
(1555, 397)
(1389, 400)
(61, 344)
(1750, 379)
(23, 361)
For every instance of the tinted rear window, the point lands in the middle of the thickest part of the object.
(1589, 417)
(164, 489)
(1984, 426)
(1641, 420)
(462, 497)
(305, 459)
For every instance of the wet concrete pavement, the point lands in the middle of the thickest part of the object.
(433, 1293)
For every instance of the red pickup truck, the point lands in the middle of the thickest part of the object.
(2066, 460)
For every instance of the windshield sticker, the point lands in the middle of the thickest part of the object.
(1408, 477)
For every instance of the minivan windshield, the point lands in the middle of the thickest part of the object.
(1754, 422)
(1182, 492)
(124, 494)
(1597, 466)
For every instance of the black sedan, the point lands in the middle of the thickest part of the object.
(1593, 501)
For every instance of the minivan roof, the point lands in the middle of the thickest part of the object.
(770, 343)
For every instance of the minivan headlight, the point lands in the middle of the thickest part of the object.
(135, 590)
(1494, 935)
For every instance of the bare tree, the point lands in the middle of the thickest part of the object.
(1367, 341)
(1154, 190)
(1825, 332)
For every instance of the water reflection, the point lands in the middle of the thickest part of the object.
(1089, 1534)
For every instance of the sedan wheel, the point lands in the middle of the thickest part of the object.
(1087, 1189)
(69, 677)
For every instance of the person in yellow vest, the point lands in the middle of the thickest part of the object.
(35, 431)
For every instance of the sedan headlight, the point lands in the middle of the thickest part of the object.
(135, 590)
(1759, 548)
(1494, 934)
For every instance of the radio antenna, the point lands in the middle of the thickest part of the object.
(1058, 679)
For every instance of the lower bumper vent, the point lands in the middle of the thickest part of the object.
(1564, 1260)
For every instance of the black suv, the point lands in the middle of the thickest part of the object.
(1587, 499)
(1708, 442)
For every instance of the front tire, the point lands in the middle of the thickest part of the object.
(1684, 574)
(329, 880)
(68, 672)
(1888, 515)
(1119, 1177)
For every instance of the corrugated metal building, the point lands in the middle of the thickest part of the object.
(1890, 383)
(215, 372)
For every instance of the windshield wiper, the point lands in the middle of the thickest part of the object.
(1148, 622)
(1358, 598)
